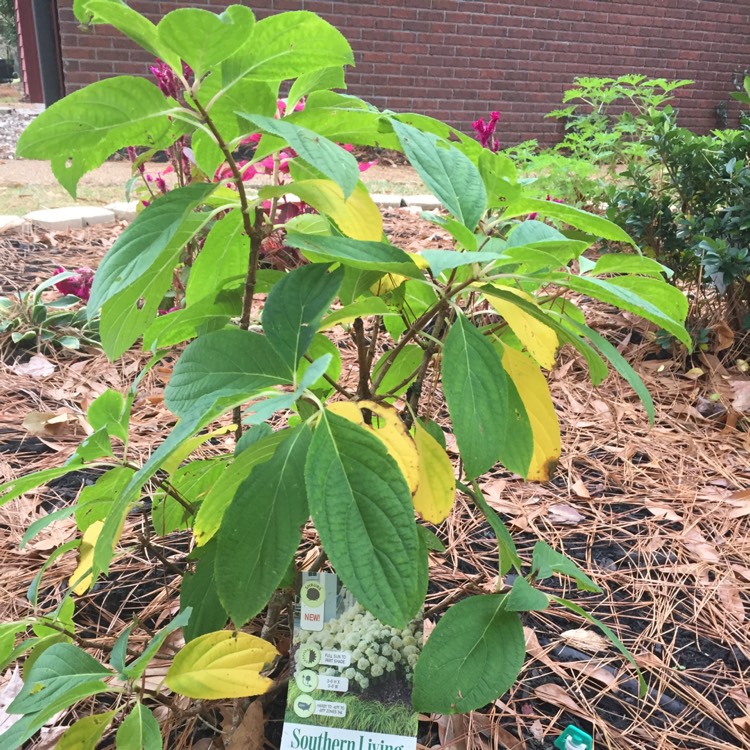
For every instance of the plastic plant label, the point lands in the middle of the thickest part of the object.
(352, 681)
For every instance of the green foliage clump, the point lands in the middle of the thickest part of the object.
(688, 204)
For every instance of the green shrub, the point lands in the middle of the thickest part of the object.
(356, 455)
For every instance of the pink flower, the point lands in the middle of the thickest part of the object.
(79, 284)
(486, 132)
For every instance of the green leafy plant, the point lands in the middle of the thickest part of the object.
(356, 454)
(610, 118)
(28, 320)
(687, 204)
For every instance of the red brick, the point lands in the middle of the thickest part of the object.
(456, 58)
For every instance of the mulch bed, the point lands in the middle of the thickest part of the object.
(659, 517)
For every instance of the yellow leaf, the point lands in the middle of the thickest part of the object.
(434, 497)
(220, 665)
(539, 339)
(387, 283)
(357, 217)
(82, 579)
(534, 392)
(392, 433)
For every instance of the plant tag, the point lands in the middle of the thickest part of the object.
(352, 674)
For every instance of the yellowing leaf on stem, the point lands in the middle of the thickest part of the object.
(540, 340)
(387, 284)
(392, 433)
(357, 216)
(82, 578)
(434, 497)
(534, 392)
(220, 665)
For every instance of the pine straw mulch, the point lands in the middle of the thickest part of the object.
(659, 517)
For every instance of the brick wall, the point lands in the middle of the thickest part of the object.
(458, 59)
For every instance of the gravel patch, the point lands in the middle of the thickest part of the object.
(12, 123)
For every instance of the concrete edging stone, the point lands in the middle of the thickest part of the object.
(77, 217)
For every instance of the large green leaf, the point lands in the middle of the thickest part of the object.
(86, 732)
(402, 367)
(653, 299)
(198, 591)
(222, 261)
(131, 24)
(362, 509)
(367, 256)
(79, 132)
(507, 553)
(326, 156)
(29, 724)
(546, 562)
(214, 506)
(204, 316)
(261, 529)
(96, 499)
(619, 363)
(287, 45)
(444, 260)
(59, 669)
(471, 658)
(139, 731)
(138, 667)
(576, 217)
(192, 482)
(450, 175)
(319, 80)
(134, 275)
(204, 39)
(16, 487)
(524, 597)
(476, 390)
(223, 364)
(295, 307)
(257, 97)
(141, 249)
(108, 411)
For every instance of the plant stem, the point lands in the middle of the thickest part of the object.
(417, 326)
(253, 229)
(358, 334)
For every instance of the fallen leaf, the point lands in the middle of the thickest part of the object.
(580, 489)
(452, 731)
(724, 336)
(536, 730)
(729, 593)
(37, 367)
(564, 515)
(250, 734)
(12, 687)
(661, 511)
(585, 640)
(740, 395)
(743, 724)
(48, 423)
(557, 696)
(697, 544)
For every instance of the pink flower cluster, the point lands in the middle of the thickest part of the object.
(78, 285)
(486, 132)
(166, 80)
